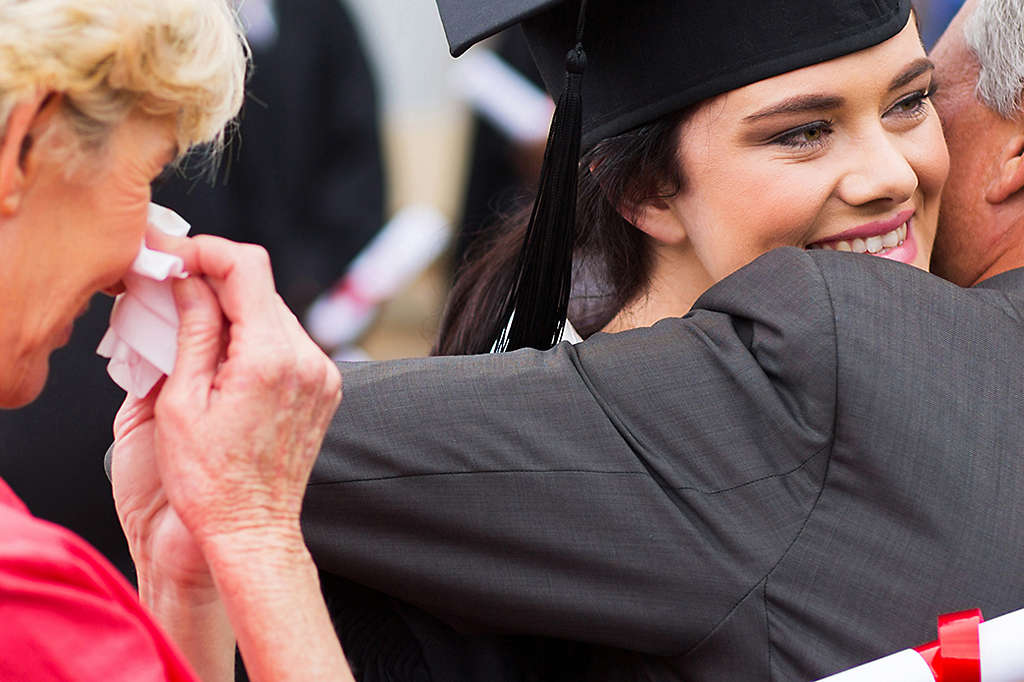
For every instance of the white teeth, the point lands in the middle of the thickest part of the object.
(889, 240)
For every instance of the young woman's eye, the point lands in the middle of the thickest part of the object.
(810, 136)
(914, 104)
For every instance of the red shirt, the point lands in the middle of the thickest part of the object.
(67, 614)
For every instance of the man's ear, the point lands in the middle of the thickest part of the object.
(25, 124)
(1009, 175)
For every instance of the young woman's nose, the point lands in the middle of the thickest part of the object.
(878, 170)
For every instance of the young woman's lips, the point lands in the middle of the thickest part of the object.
(892, 239)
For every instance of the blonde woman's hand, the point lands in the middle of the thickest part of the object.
(240, 420)
(174, 579)
(152, 527)
(213, 468)
(239, 424)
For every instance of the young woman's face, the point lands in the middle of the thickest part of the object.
(844, 155)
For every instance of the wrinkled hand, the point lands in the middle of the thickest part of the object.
(156, 536)
(210, 470)
(223, 449)
(240, 420)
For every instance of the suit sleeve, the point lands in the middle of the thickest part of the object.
(628, 491)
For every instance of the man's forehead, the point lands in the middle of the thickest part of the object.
(956, 66)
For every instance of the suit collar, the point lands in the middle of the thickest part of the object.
(1004, 281)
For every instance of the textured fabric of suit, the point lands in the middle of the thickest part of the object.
(796, 477)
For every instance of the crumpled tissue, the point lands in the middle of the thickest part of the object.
(142, 340)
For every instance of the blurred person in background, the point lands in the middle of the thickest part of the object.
(503, 171)
(935, 16)
(305, 178)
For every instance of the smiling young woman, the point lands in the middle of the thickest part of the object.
(846, 154)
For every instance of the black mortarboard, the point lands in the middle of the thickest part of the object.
(642, 60)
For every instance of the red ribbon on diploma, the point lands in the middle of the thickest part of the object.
(956, 655)
(348, 289)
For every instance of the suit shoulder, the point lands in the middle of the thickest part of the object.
(867, 282)
(783, 284)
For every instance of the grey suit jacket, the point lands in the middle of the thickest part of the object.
(796, 477)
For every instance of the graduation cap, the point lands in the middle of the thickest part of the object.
(612, 65)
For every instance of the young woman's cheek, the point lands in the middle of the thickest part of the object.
(930, 157)
(784, 205)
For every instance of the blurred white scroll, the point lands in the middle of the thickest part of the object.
(503, 96)
(403, 248)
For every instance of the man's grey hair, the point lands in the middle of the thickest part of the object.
(995, 32)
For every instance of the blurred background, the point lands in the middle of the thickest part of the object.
(367, 161)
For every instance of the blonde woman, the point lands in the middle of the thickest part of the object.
(96, 98)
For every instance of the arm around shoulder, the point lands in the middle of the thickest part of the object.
(573, 492)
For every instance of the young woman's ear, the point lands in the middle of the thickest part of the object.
(658, 219)
(25, 125)
(653, 216)
(1009, 172)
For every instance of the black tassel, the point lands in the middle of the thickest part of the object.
(535, 309)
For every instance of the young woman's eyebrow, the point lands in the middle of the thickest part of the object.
(912, 71)
(803, 103)
(798, 104)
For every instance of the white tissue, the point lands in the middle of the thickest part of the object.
(142, 340)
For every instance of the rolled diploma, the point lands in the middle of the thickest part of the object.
(503, 96)
(1001, 643)
(409, 242)
(1002, 648)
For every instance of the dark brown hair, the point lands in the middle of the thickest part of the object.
(612, 258)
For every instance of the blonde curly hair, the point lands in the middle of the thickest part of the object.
(180, 58)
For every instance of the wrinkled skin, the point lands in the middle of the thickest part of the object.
(224, 447)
